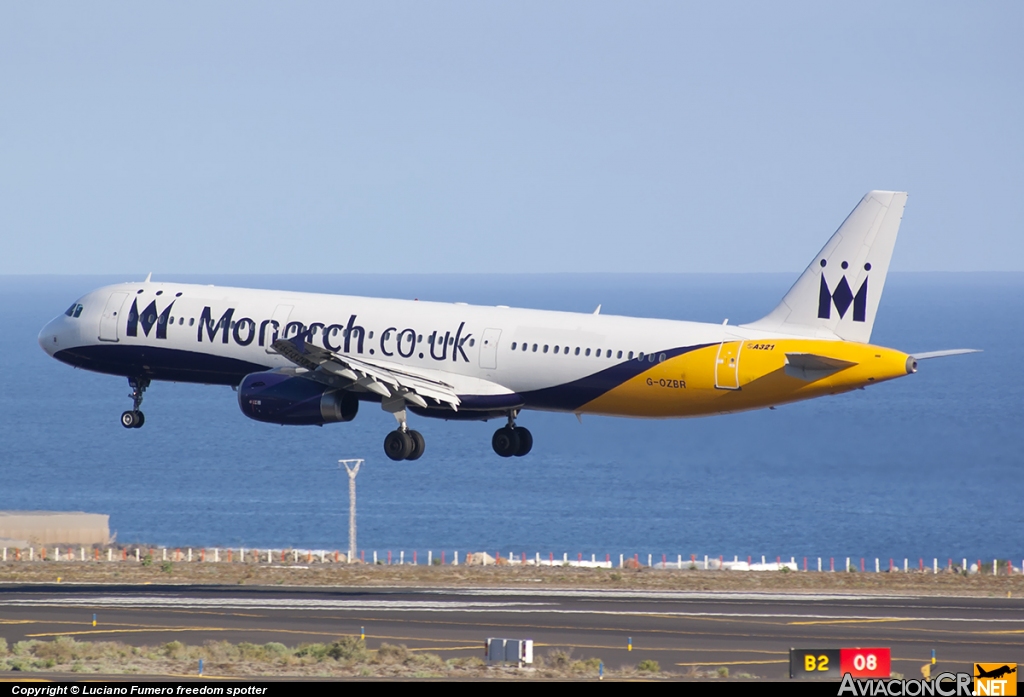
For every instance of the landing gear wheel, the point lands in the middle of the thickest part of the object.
(133, 419)
(525, 441)
(398, 445)
(505, 441)
(418, 445)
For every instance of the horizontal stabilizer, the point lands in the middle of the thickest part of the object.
(940, 354)
(810, 367)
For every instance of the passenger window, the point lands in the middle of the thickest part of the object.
(513, 346)
(661, 357)
(650, 358)
(630, 355)
(577, 350)
(535, 348)
(545, 348)
(640, 356)
(181, 320)
(370, 335)
(419, 338)
(451, 339)
(191, 321)
(587, 352)
(556, 349)
(609, 354)
(472, 342)
(619, 355)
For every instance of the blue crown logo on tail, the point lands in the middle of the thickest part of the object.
(842, 297)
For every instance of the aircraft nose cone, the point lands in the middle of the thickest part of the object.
(48, 338)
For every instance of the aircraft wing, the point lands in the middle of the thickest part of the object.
(810, 366)
(387, 379)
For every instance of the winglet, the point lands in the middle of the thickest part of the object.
(598, 310)
(149, 277)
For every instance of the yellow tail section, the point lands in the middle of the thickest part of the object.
(740, 375)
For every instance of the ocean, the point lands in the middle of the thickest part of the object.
(920, 467)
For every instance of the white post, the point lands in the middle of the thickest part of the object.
(705, 562)
(593, 558)
(430, 557)
(374, 557)
(649, 561)
(241, 554)
(819, 565)
(536, 559)
(995, 567)
(270, 556)
(110, 554)
(565, 557)
(352, 467)
(762, 560)
(401, 558)
(620, 561)
(964, 567)
(165, 554)
(847, 564)
(455, 561)
(679, 561)
(876, 565)
(5, 554)
(216, 554)
(136, 554)
(83, 553)
(31, 553)
(935, 565)
(295, 556)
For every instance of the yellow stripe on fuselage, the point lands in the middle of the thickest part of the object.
(698, 382)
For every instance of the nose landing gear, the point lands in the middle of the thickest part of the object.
(512, 440)
(135, 418)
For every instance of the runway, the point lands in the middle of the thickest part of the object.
(746, 632)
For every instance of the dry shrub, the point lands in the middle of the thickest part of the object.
(389, 654)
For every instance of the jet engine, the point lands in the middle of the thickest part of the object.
(291, 400)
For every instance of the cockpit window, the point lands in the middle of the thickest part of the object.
(74, 311)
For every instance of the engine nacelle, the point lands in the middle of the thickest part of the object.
(291, 400)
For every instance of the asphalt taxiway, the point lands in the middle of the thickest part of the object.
(746, 632)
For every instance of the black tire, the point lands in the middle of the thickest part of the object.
(525, 442)
(128, 419)
(418, 445)
(397, 445)
(140, 419)
(505, 442)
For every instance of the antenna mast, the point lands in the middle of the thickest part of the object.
(352, 467)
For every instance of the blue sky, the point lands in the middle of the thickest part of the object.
(503, 137)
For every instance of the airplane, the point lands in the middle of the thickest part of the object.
(312, 359)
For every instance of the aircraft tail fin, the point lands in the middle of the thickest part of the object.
(838, 294)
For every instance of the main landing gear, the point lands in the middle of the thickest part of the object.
(135, 418)
(403, 443)
(511, 439)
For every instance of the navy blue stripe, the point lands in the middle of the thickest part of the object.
(157, 363)
(573, 395)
